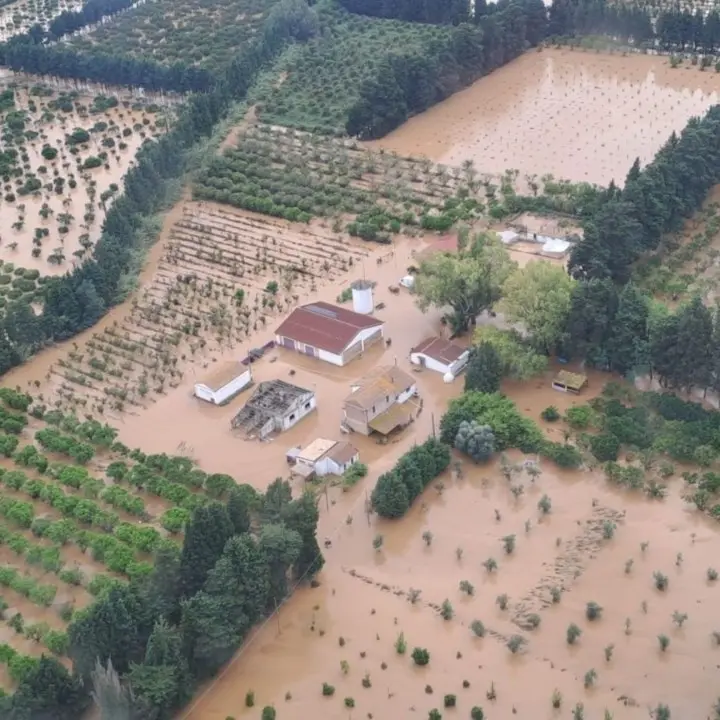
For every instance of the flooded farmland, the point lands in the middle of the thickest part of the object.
(344, 632)
(580, 116)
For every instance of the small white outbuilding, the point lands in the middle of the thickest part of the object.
(323, 457)
(226, 382)
(443, 356)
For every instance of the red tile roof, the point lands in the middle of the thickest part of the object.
(324, 326)
(443, 351)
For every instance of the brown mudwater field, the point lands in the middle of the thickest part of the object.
(580, 116)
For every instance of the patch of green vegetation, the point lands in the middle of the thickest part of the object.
(322, 79)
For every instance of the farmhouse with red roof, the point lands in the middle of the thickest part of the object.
(328, 332)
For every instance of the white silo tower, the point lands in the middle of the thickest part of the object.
(362, 297)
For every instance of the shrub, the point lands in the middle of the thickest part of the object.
(580, 417)
(420, 656)
(573, 633)
(354, 473)
(661, 581)
(593, 611)
(550, 414)
(604, 447)
(449, 701)
(400, 644)
(328, 690)
(478, 628)
(545, 505)
(269, 713)
(563, 455)
(515, 643)
(477, 713)
(446, 610)
(664, 642)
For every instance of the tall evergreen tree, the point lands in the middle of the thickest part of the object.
(628, 340)
(205, 538)
(302, 516)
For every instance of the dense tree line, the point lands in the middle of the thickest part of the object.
(144, 646)
(427, 11)
(410, 82)
(655, 200)
(93, 11)
(65, 62)
(397, 489)
(77, 300)
(672, 28)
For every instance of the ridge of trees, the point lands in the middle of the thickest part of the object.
(426, 11)
(77, 300)
(671, 28)
(144, 646)
(655, 200)
(411, 82)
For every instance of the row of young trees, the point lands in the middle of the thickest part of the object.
(77, 300)
(142, 647)
(410, 82)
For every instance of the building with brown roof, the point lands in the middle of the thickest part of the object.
(381, 402)
(440, 355)
(328, 332)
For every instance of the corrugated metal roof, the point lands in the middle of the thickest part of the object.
(325, 326)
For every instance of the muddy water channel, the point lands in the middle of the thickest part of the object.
(580, 116)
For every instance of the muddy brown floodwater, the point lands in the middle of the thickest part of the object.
(361, 605)
(581, 116)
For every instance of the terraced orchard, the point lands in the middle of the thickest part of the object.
(205, 33)
(63, 159)
(224, 275)
(298, 176)
(322, 79)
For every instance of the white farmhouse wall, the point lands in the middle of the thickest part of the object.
(363, 335)
(407, 394)
(329, 357)
(298, 412)
(459, 365)
(204, 393)
(220, 395)
(428, 362)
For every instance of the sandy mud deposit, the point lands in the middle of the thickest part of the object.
(579, 116)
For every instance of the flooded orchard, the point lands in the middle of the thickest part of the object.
(344, 633)
(580, 116)
(343, 648)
